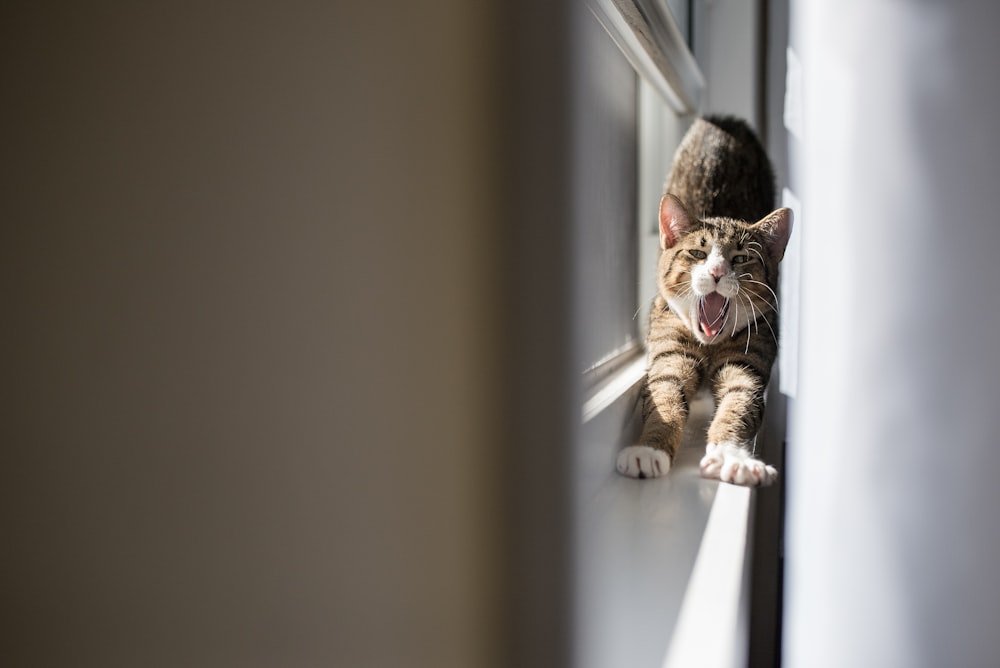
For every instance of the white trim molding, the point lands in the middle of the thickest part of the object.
(648, 35)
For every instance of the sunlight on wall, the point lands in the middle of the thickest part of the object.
(892, 538)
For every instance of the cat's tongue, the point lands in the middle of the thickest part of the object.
(712, 313)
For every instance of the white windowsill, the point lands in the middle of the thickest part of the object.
(661, 569)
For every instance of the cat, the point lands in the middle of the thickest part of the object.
(714, 319)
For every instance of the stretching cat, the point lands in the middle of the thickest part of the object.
(714, 319)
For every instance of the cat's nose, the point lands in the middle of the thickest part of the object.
(717, 272)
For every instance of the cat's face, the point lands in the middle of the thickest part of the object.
(719, 274)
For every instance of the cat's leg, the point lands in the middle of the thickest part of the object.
(739, 400)
(664, 410)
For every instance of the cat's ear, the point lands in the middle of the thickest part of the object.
(776, 227)
(674, 221)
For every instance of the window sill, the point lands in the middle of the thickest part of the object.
(661, 572)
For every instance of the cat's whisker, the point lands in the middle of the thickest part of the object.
(736, 316)
(747, 349)
(769, 289)
(740, 299)
(759, 296)
(685, 292)
(765, 305)
(768, 323)
(773, 307)
(756, 327)
(743, 289)
(688, 288)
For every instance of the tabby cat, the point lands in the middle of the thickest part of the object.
(714, 319)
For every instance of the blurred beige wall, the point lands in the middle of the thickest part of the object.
(251, 361)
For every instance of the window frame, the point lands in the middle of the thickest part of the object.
(624, 528)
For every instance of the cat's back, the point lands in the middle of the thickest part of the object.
(722, 169)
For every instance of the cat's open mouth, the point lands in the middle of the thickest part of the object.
(712, 309)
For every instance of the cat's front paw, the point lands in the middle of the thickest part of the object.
(733, 463)
(642, 461)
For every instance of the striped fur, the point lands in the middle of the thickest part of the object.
(714, 320)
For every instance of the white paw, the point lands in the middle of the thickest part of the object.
(732, 462)
(642, 461)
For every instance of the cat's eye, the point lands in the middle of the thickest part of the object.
(697, 254)
(740, 259)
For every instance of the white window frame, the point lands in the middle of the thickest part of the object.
(661, 566)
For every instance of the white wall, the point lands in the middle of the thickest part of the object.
(726, 43)
(893, 540)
